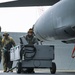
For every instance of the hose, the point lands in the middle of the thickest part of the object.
(28, 50)
(11, 69)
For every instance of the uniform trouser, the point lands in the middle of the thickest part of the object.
(7, 64)
(0, 56)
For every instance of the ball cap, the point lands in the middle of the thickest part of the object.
(5, 34)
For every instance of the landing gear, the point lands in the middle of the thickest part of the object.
(53, 68)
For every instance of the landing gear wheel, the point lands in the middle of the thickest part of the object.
(19, 67)
(53, 68)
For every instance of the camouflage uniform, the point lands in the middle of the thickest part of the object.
(0, 46)
(7, 44)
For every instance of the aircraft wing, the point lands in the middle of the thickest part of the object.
(22, 3)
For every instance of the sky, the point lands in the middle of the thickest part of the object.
(19, 19)
(3, 1)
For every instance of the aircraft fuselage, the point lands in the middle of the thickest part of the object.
(58, 22)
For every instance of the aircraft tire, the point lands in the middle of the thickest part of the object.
(53, 68)
(19, 67)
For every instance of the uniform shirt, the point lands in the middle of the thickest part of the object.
(0, 42)
(0, 46)
(31, 40)
(8, 41)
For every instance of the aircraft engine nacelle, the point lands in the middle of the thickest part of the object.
(58, 22)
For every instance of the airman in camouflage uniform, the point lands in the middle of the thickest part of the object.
(7, 43)
(0, 44)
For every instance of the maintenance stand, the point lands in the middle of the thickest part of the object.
(33, 56)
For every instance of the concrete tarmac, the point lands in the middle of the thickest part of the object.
(58, 73)
(41, 72)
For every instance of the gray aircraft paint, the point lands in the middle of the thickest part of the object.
(57, 22)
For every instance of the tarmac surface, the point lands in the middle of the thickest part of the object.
(41, 72)
(58, 73)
